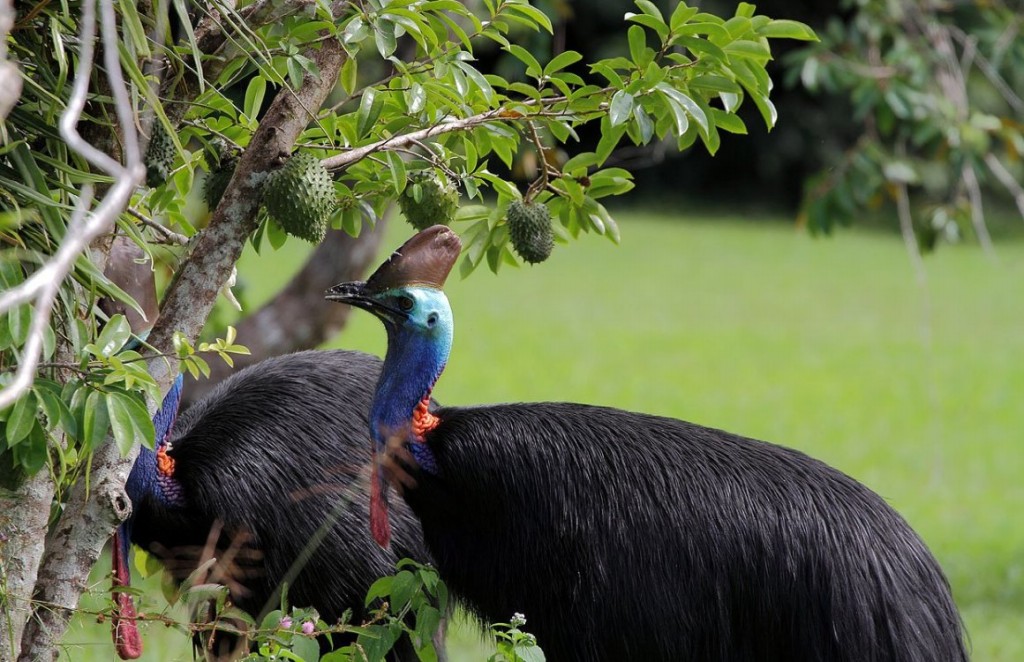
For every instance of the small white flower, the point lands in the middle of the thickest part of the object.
(518, 620)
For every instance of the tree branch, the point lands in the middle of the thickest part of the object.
(61, 576)
(43, 285)
(296, 318)
(970, 179)
(997, 168)
(345, 159)
(191, 296)
(26, 515)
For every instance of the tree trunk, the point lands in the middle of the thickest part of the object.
(297, 318)
(93, 513)
(25, 513)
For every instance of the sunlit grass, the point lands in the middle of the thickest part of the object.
(830, 346)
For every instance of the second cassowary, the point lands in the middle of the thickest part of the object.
(624, 536)
(268, 457)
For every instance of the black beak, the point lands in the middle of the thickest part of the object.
(357, 294)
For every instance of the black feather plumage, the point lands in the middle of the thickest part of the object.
(624, 536)
(268, 454)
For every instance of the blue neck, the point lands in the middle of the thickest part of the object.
(144, 479)
(414, 361)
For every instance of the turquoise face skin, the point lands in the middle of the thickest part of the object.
(420, 328)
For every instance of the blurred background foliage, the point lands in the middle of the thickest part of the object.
(925, 94)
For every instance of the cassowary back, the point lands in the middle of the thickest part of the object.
(624, 536)
(270, 453)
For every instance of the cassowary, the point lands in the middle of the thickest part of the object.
(269, 456)
(624, 536)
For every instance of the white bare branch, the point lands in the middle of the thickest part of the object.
(399, 141)
(42, 287)
(1005, 178)
(970, 179)
(10, 79)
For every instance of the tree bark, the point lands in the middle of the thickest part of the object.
(93, 513)
(297, 318)
(24, 519)
(72, 548)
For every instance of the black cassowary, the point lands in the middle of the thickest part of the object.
(624, 536)
(269, 456)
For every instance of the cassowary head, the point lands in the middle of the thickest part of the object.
(150, 476)
(405, 293)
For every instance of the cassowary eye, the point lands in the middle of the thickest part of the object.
(405, 304)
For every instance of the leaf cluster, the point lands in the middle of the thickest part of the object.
(936, 92)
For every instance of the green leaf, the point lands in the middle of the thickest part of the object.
(21, 418)
(637, 44)
(306, 648)
(680, 15)
(115, 334)
(384, 36)
(621, 107)
(370, 106)
(57, 411)
(729, 122)
(397, 169)
(95, 421)
(532, 13)
(686, 102)
(610, 136)
(350, 75)
(713, 31)
(32, 455)
(381, 588)
(186, 22)
(19, 321)
(651, 22)
(561, 61)
(129, 421)
(786, 29)
(254, 94)
(533, 67)
(701, 48)
(755, 51)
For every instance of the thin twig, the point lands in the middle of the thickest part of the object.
(169, 236)
(997, 168)
(541, 182)
(970, 179)
(907, 229)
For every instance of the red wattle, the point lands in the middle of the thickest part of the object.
(123, 624)
(379, 525)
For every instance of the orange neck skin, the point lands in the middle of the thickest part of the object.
(422, 420)
(164, 462)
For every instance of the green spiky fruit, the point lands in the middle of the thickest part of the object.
(300, 197)
(159, 157)
(529, 228)
(428, 200)
(217, 180)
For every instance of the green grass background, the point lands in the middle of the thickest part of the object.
(831, 346)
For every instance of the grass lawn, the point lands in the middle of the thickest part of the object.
(830, 346)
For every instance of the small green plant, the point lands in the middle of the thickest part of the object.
(294, 633)
(513, 644)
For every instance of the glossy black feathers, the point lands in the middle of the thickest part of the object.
(624, 536)
(269, 454)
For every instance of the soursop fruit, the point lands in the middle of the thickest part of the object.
(428, 200)
(300, 197)
(217, 180)
(159, 157)
(529, 228)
